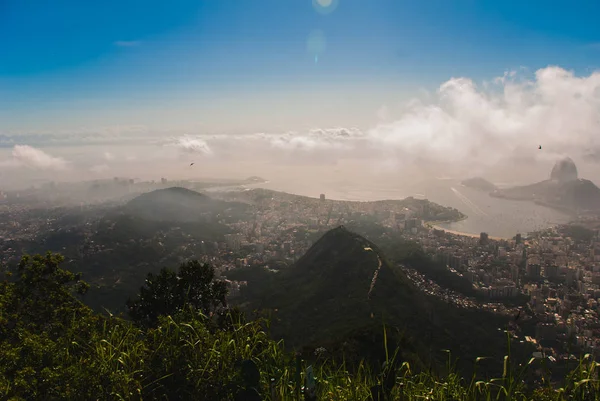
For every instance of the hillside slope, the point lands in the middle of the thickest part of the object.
(564, 190)
(574, 195)
(479, 183)
(156, 229)
(178, 204)
(342, 291)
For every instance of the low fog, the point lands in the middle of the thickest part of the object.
(462, 129)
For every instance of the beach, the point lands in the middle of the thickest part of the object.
(466, 234)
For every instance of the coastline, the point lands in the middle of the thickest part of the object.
(529, 219)
(462, 234)
(559, 208)
(436, 222)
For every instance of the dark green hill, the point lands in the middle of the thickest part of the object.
(343, 290)
(122, 249)
(156, 229)
(178, 204)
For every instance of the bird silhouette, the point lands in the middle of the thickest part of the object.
(540, 147)
(191, 164)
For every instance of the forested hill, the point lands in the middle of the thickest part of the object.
(342, 291)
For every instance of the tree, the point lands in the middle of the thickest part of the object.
(43, 297)
(169, 293)
(44, 333)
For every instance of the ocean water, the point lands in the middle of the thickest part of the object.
(498, 217)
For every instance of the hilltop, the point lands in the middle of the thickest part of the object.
(479, 183)
(173, 204)
(339, 292)
(177, 204)
(571, 196)
(154, 229)
(564, 190)
(342, 290)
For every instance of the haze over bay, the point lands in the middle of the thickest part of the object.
(498, 217)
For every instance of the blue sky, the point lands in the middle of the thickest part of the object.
(245, 64)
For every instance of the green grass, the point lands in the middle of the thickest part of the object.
(183, 358)
(52, 347)
(335, 382)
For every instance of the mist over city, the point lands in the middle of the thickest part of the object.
(313, 199)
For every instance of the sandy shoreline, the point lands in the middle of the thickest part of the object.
(466, 234)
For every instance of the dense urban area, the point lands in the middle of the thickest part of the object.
(548, 281)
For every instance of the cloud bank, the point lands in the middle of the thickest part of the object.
(488, 124)
(461, 125)
(36, 159)
(190, 144)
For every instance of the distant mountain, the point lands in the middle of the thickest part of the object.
(178, 204)
(342, 291)
(156, 229)
(563, 190)
(479, 183)
(175, 204)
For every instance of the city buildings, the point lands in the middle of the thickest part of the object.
(550, 278)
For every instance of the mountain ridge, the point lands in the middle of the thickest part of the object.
(178, 204)
(342, 293)
(479, 183)
(564, 190)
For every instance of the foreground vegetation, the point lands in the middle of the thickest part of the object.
(52, 346)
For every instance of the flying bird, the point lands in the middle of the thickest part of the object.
(191, 164)
(540, 147)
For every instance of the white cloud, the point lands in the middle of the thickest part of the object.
(316, 139)
(191, 144)
(469, 124)
(36, 159)
(312, 146)
(109, 156)
(462, 124)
